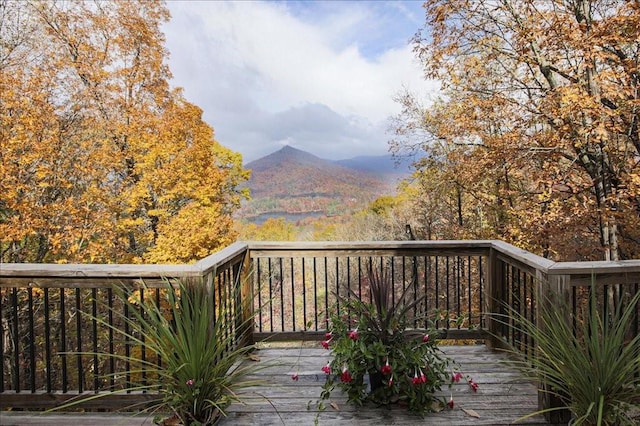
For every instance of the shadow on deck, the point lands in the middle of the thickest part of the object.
(503, 396)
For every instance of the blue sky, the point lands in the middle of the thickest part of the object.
(319, 76)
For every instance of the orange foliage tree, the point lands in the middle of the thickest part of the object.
(100, 159)
(536, 131)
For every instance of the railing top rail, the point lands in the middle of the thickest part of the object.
(523, 256)
(365, 248)
(596, 267)
(121, 271)
(346, 248)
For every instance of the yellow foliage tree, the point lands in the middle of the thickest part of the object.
(100, 160)
(537, 132)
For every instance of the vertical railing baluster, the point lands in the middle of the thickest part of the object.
(270, 295)
(127, 348)
(337, 274)
(304, 296)
(326, 293)
(481, 284)
(32, 343)
(63, 341)
(293, 298)
(315, 293)
(281, 282)
(143, 348)
(78, 308)
(458, 268)
(47, 341)
(437, 287)
(469, 293)
(16, 342)
(94, 327)
(112, 366)
(259, 285)
(448, 290)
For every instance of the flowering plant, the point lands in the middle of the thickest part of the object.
(378, 358)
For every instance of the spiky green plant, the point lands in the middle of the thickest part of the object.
(200, 370)
(594, 368)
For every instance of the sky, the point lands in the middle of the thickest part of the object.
(315, 75)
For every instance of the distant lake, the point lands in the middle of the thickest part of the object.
(289, 217)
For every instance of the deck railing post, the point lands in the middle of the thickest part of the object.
(553, 290)
(246, 315)
(494, 302)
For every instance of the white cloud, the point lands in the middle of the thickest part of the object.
(318, 75)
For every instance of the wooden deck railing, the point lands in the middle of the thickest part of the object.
(293, 287)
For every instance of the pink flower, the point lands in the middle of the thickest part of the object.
(328, 335)
(455, 377)
(450, 403)
(294, 377)
(473, 385)
(353, 335)
(417, 380)
(345, 376)
(190, 382)
(325, 343)
(386, 368)
(425, 338)
(327, 369)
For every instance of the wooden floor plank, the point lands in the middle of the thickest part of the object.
(503, 396)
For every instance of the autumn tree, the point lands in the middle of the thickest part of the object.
(100, 159)
(538, 119)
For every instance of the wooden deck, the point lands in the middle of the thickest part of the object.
(502, 398)
(503, 395)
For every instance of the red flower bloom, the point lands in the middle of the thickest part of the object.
(353, 335)
(325, 343)
(328, 335)
(425, 338)
(386, 368)
(294, 377)
(416, 380)
(345, 376)
(473, 385)
(327, 369)
(455, 377)
(190, 382)
(450, 403)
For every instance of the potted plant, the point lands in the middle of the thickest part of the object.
(587, 361)
(378, 358)
(193, 366)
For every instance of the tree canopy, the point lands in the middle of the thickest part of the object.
(535, 137)
(100, 159)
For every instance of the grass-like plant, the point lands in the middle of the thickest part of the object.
(592, 368)
(193, 363)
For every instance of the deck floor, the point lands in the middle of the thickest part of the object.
(503, 396)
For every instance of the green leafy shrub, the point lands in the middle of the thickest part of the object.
(377, 358)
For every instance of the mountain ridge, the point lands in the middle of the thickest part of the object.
(292, 181)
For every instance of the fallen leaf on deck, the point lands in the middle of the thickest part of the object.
(471, 413)
(335, 406)
(437, 406)
(254, 357)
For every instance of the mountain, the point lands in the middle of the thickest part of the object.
(291, 182)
